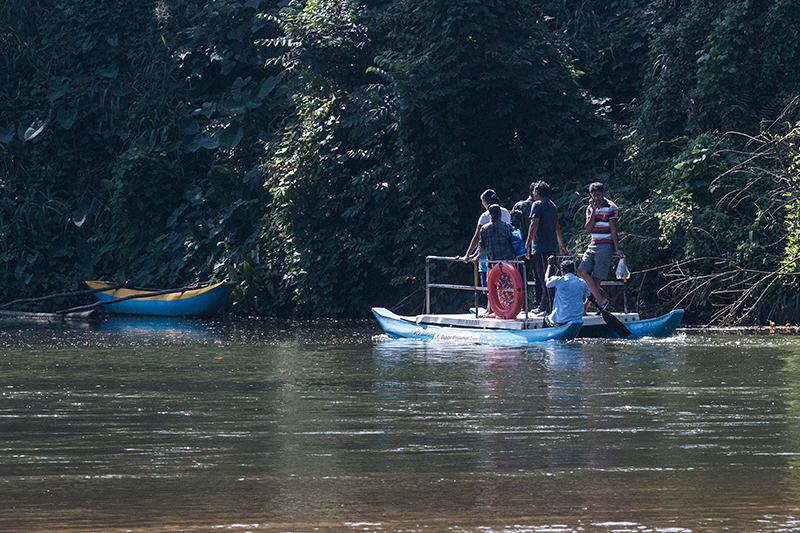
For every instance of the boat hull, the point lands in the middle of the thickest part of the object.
(521, 330)
(661, 326)
(396, 326)
(196, 302)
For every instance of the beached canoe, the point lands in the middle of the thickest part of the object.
(470, 329)
(200, 301)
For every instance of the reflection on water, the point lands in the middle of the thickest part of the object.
(259, 425)
(159, 329)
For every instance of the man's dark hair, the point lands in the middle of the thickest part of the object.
(495, 212)
(596, 186)
(490, 197)
(542, 188)
(568, 266)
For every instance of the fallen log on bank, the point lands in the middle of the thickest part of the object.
(48, 318)
(58, 295)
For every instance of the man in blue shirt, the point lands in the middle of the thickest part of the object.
(570, 290)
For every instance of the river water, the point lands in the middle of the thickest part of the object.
(264, 426)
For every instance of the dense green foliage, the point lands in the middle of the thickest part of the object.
(318, 150)
(122, 141)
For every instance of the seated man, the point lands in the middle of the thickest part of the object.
(570, 290)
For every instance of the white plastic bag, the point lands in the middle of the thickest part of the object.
(622, 270)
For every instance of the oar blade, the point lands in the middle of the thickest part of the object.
(615, 324)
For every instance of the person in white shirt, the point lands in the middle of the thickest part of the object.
(488, 197)
(570, 291)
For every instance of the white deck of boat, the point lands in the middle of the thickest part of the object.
(532, 322)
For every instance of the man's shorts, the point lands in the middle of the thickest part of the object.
(597, 259)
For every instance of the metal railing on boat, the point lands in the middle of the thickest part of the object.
(476, 289)
(624, 285)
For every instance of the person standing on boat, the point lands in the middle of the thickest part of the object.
(489, 197)
(521, 219)
(601, 221)
(495, 241)
(544, 239)
(569, 293)
(496, 237)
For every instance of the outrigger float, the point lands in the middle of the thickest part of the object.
(515, 325)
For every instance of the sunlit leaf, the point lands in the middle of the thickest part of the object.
(79, 221)
(34, 130)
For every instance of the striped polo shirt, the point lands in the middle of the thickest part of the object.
(601, 232)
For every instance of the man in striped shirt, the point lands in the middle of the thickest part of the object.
(601, 222)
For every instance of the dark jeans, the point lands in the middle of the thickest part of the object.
(530, 276)
(540, 267)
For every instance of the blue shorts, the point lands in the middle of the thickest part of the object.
(597, 259)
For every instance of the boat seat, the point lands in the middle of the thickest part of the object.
(598, 320)
(470, 321)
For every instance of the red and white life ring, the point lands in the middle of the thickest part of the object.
(506, 290)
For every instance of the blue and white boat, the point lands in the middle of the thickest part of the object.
(521, 328)
(470, 329)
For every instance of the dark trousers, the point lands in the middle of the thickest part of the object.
(525, 270)
(530, 276)
(540, 267)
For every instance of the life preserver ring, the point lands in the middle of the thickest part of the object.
(506, 291)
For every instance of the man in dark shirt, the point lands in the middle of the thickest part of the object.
(521, 219)
(544, 240)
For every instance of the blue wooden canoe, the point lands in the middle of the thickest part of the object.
(467, 328)
(201, 301)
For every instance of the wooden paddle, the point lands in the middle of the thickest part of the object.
(612, 321)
